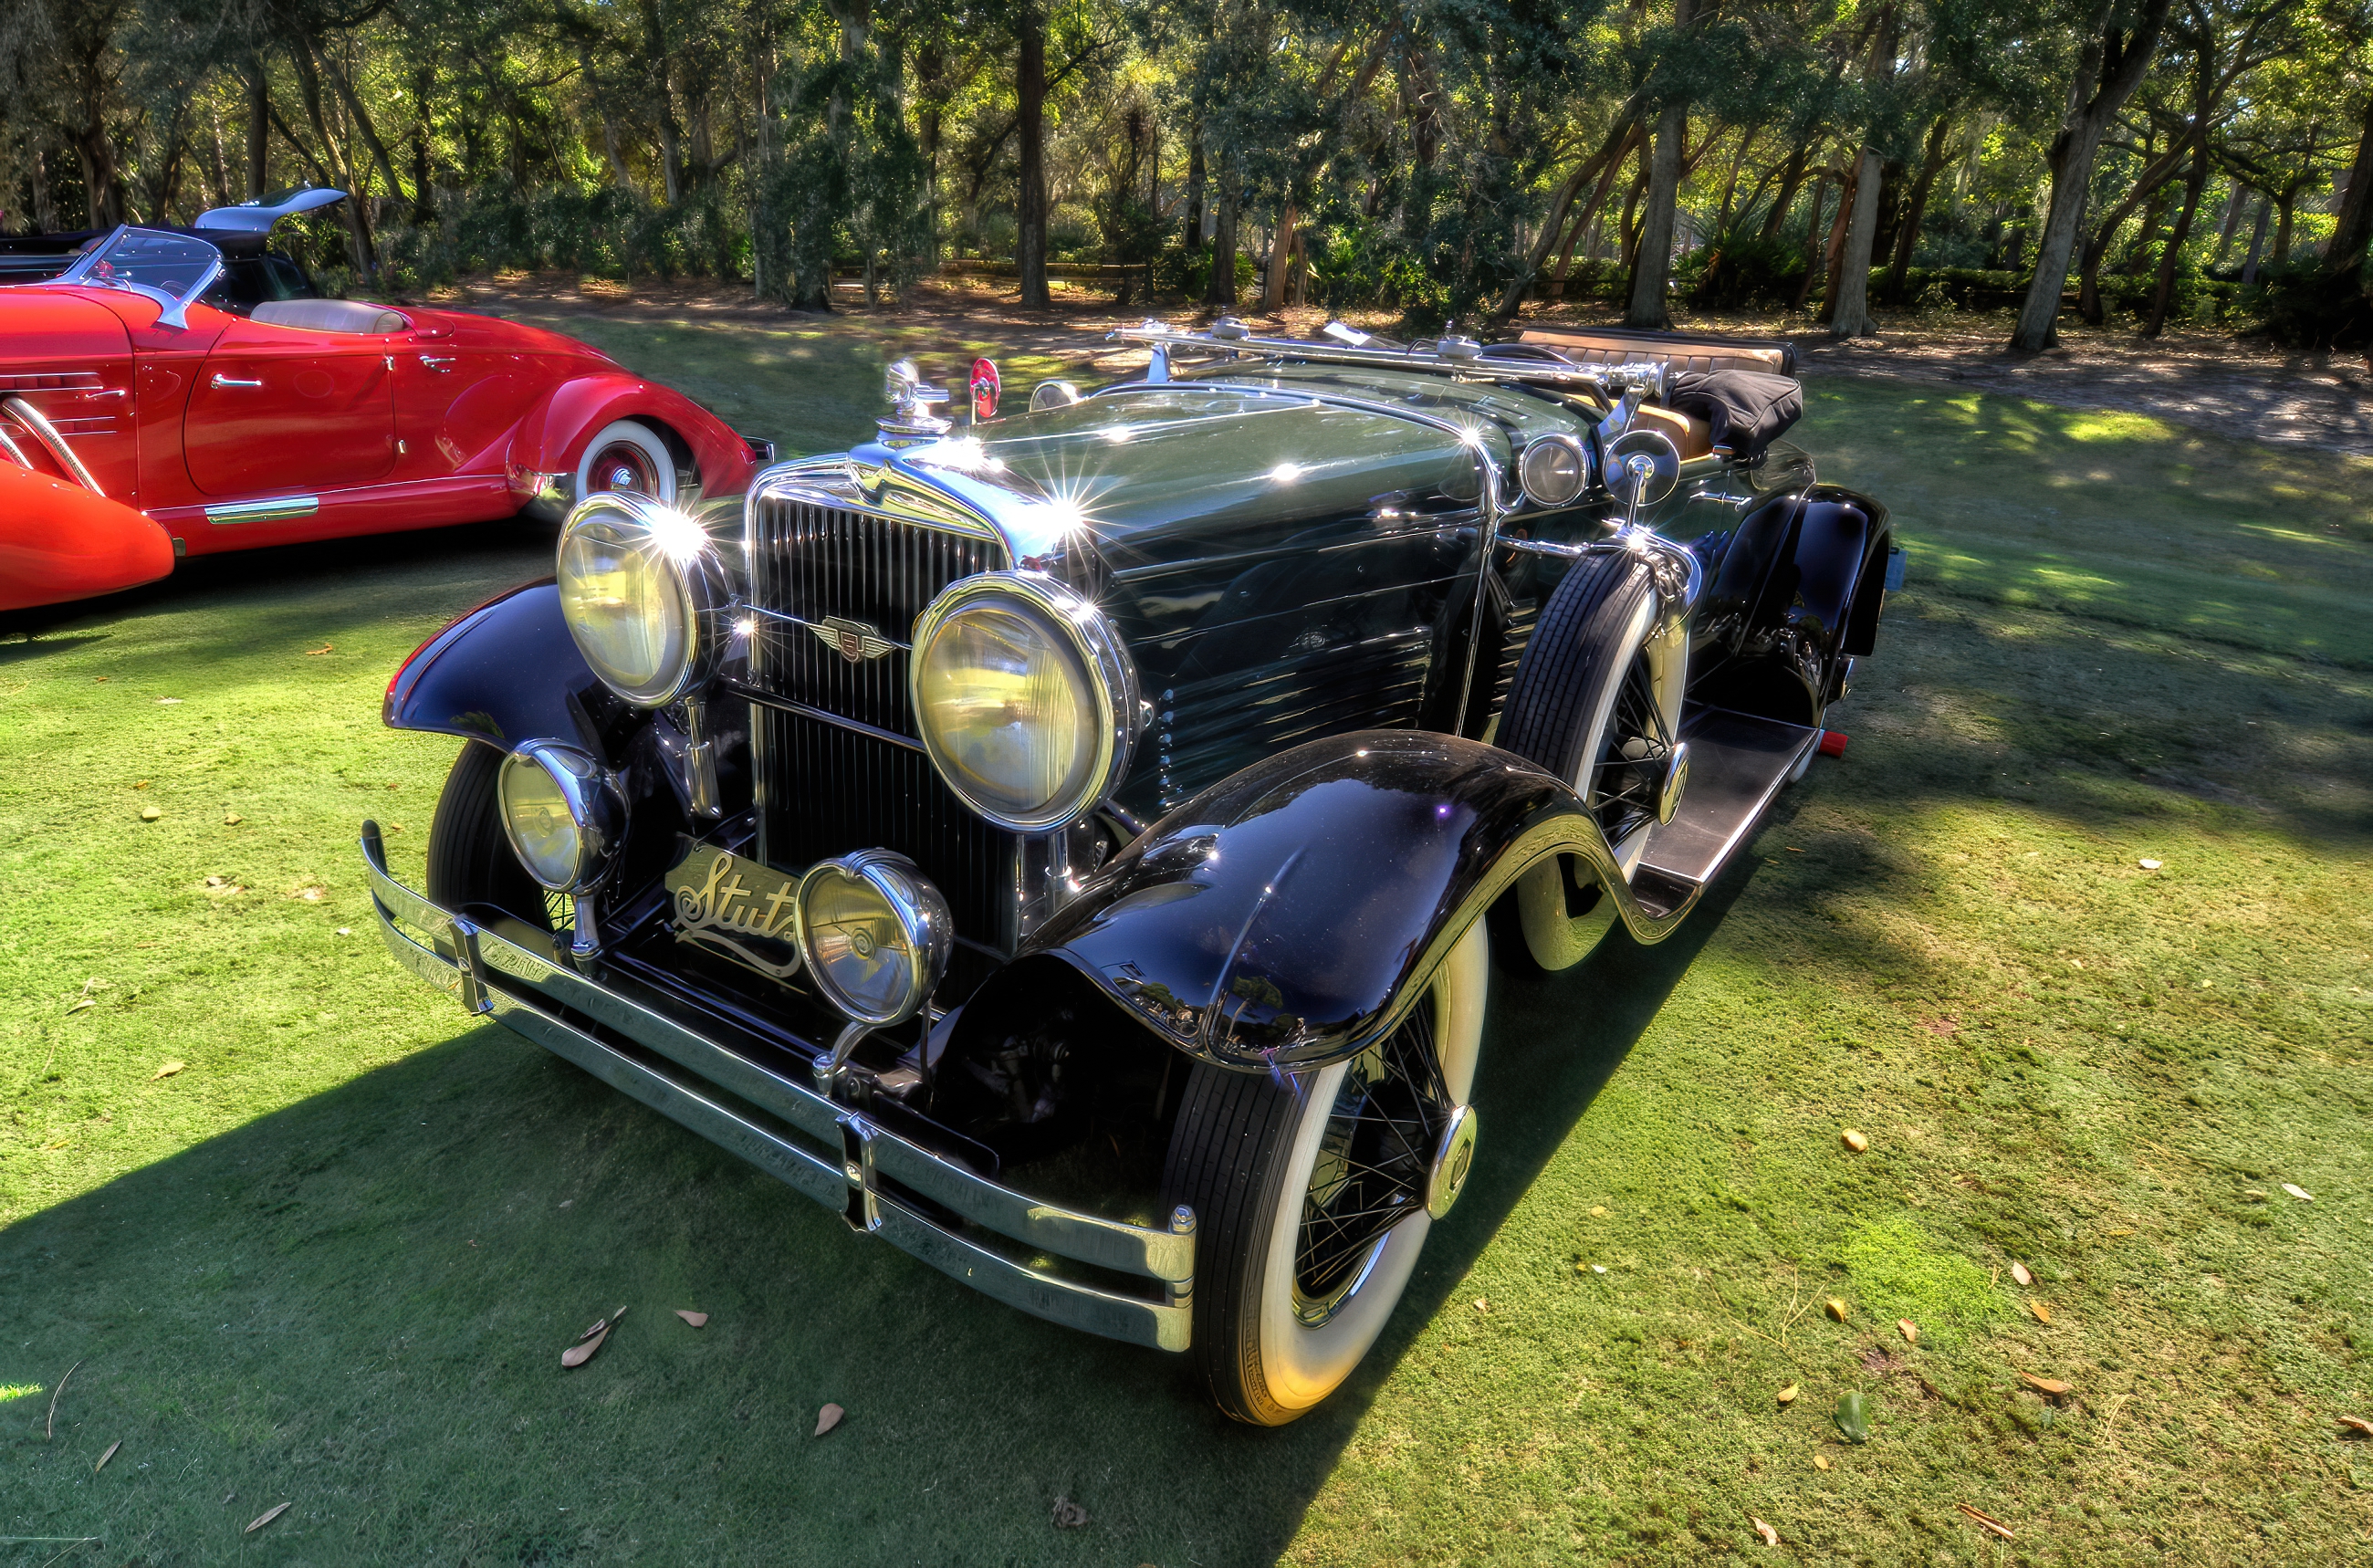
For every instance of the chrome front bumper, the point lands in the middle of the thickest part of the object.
(855, 1167)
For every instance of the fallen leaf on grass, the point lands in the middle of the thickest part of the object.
(80, 1006)
(317, 652)
(150, 814)
(1908, 1330)
(345, 930)
(2357, 1426)
(1771, 1536)
(2147, 865)
(1820, 1461)
(2050, 1387)
(2042, 1313)
(232, 819)
(166, 1070)
(109, 1455)
(697, 1319)
(265, 1517)
(1857, 1141)
(168, 702)
(2018, 1272)
(1835, 1308)
(1069, 1516)
(2302, 1194)
(1483, 1304)
(1853, 1417)
(582, 1350)
(1987, 1520)
(829, 1417)
(1786, 1396)
(1598, 1211)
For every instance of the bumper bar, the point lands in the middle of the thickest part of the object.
(518, 987)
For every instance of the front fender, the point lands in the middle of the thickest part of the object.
(1796, 591)
(551, 438)
(506, 673)
(1291, 916)
(60, 542)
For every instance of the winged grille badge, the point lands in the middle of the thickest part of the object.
(854, 639)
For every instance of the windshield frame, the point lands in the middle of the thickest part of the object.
(176, 307)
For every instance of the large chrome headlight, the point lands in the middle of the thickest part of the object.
(643, 595)
(563, 812)
(875, 934)
(1026, 698)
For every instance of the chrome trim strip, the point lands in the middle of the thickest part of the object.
(33, 419)
(273, 510)
(492, 971)
(1549, 368)
(8, 446)
(791, 704)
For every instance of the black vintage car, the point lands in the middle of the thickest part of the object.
(1074, 845)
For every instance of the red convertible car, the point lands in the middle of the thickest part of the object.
(147, 413)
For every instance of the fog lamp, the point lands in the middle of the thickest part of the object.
(874, 934)
(564, 813)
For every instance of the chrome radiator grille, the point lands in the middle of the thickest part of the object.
(820, 563)
(826, 788)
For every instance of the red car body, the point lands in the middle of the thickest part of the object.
(229, 432)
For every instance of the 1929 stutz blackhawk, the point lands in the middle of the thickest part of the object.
(1072, 846)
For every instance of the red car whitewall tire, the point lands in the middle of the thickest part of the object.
(628, 455)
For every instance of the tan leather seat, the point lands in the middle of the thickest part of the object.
(1614, 345)
(1690, 436)
(329, 315)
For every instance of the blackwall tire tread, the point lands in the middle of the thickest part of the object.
(1558, 686)
(1226, 1152)
(469, 859)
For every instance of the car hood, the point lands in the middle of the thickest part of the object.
(59, 327)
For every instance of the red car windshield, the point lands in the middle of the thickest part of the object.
(171, 268)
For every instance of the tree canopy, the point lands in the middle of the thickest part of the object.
(1449, 159)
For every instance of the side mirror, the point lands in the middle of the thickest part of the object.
(984, 388)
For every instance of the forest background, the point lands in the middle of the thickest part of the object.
(2168, 161)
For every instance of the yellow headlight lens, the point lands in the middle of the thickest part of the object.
(625, 604)
(536, 817)
(1010, 713)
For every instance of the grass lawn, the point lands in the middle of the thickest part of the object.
(331, 1257)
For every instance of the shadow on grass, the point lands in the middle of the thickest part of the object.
(358, 1303)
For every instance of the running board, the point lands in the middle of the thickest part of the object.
(1737, 763)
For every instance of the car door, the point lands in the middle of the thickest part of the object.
(459, 388)
(281, 408)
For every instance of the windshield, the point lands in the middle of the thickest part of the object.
(171, 268)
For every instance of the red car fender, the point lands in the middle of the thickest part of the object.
(552, 437)
(59, 541)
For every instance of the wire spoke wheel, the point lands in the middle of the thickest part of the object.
(1370, 1171)
(1628, 776)
(1313, 1192)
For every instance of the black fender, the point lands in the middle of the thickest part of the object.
(506, 673)
(1795, 592)
(1289, 916)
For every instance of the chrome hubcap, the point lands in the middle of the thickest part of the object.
(1454, 1157)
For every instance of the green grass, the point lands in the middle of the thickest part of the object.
(333, 1259)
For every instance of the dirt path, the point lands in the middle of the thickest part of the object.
(2205, 380)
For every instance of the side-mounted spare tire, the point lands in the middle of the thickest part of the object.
(1597, 701)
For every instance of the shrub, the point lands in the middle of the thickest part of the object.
(1745, 270)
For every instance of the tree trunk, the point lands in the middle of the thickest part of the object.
(1812, 241)
(1220, 291)
(1833, 254)
(2283, 205)
(2232, 221)
(1192, 237)
(1030, 247)
(1601, 163)
(2257, 242)
(1280, 258)
(1653, 268)
(1851, 317)
(2108, 71)
(258, 131)
(1792, 179)
(45, 212)
(2155, 175)
(2168, 255)
(2352, 227)
(1907, 234)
